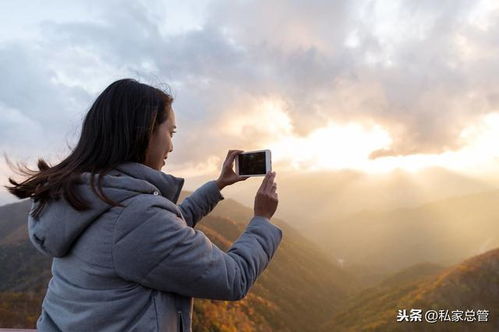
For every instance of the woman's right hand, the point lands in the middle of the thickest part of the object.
(266, 197)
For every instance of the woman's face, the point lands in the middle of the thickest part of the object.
(160, 143)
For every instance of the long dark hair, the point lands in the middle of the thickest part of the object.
(116, 129)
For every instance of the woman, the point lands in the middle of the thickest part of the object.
(126, 257)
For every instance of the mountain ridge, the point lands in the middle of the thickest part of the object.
(472, 284)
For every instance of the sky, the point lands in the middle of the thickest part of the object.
(372, 86)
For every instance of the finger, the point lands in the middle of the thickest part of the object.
(231, 156)
(264, 182)
(229, 152)
(233, 151)
(234, 154)
(270, 182)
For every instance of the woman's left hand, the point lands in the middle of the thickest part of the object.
(228, 176)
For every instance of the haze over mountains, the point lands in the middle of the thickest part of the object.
(325, 196)
(443, 232)
(386, 222)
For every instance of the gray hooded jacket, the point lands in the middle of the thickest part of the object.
(136, 268)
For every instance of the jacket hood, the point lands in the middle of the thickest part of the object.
(59, 225)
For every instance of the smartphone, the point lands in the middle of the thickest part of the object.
(254, 163)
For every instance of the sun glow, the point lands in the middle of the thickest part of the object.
(333, 146)
(266, 123)
(348, 146)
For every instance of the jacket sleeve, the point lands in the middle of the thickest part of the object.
(155, 248)
(200, 202)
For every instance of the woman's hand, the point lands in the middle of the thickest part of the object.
(228, 176)
(266, 198)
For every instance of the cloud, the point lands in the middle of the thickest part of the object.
(406, 68)
(422, 70)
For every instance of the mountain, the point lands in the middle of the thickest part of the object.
(14, 222)
(300, 289)
(444, 232)
(470, 285)
(410, 274)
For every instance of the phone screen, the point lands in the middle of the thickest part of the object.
(252, 163)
